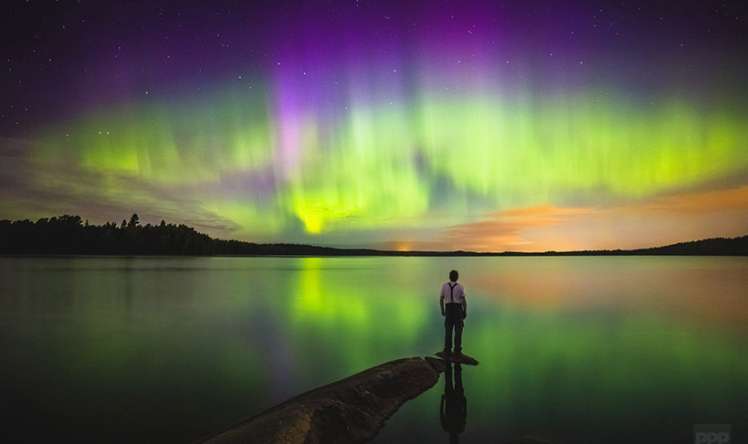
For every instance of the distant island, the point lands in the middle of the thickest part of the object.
(70, 235)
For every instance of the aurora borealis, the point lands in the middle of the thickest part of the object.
(427, 125)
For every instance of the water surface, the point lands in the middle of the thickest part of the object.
(579, 349)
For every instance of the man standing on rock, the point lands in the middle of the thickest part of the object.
(454, 309)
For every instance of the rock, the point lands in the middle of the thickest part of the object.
(351, 410)
(459, 358)
(438, 364)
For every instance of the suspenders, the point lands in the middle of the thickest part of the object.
(451, 295)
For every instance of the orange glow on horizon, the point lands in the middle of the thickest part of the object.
(654, 222)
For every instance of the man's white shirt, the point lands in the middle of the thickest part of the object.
(454, 295)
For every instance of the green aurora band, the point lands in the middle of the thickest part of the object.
(380, 163)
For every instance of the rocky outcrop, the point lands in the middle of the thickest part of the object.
(351, 410)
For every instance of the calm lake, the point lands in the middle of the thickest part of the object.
(571, 349)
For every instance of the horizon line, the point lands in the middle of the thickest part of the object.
(705, 246)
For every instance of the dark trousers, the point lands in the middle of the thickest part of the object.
(453, 321)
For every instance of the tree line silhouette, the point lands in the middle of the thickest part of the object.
(71, 235)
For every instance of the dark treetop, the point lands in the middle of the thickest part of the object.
(70, 235)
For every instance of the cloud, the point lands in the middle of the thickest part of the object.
(505, 227)
(656, 221)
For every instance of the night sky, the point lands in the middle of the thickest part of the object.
(408, 125)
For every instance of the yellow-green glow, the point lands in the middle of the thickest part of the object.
(379, 164)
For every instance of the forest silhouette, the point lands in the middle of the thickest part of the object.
(72, 235)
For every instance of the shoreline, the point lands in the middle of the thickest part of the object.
(394, 254)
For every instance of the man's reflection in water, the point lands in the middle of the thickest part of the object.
(453, 409)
